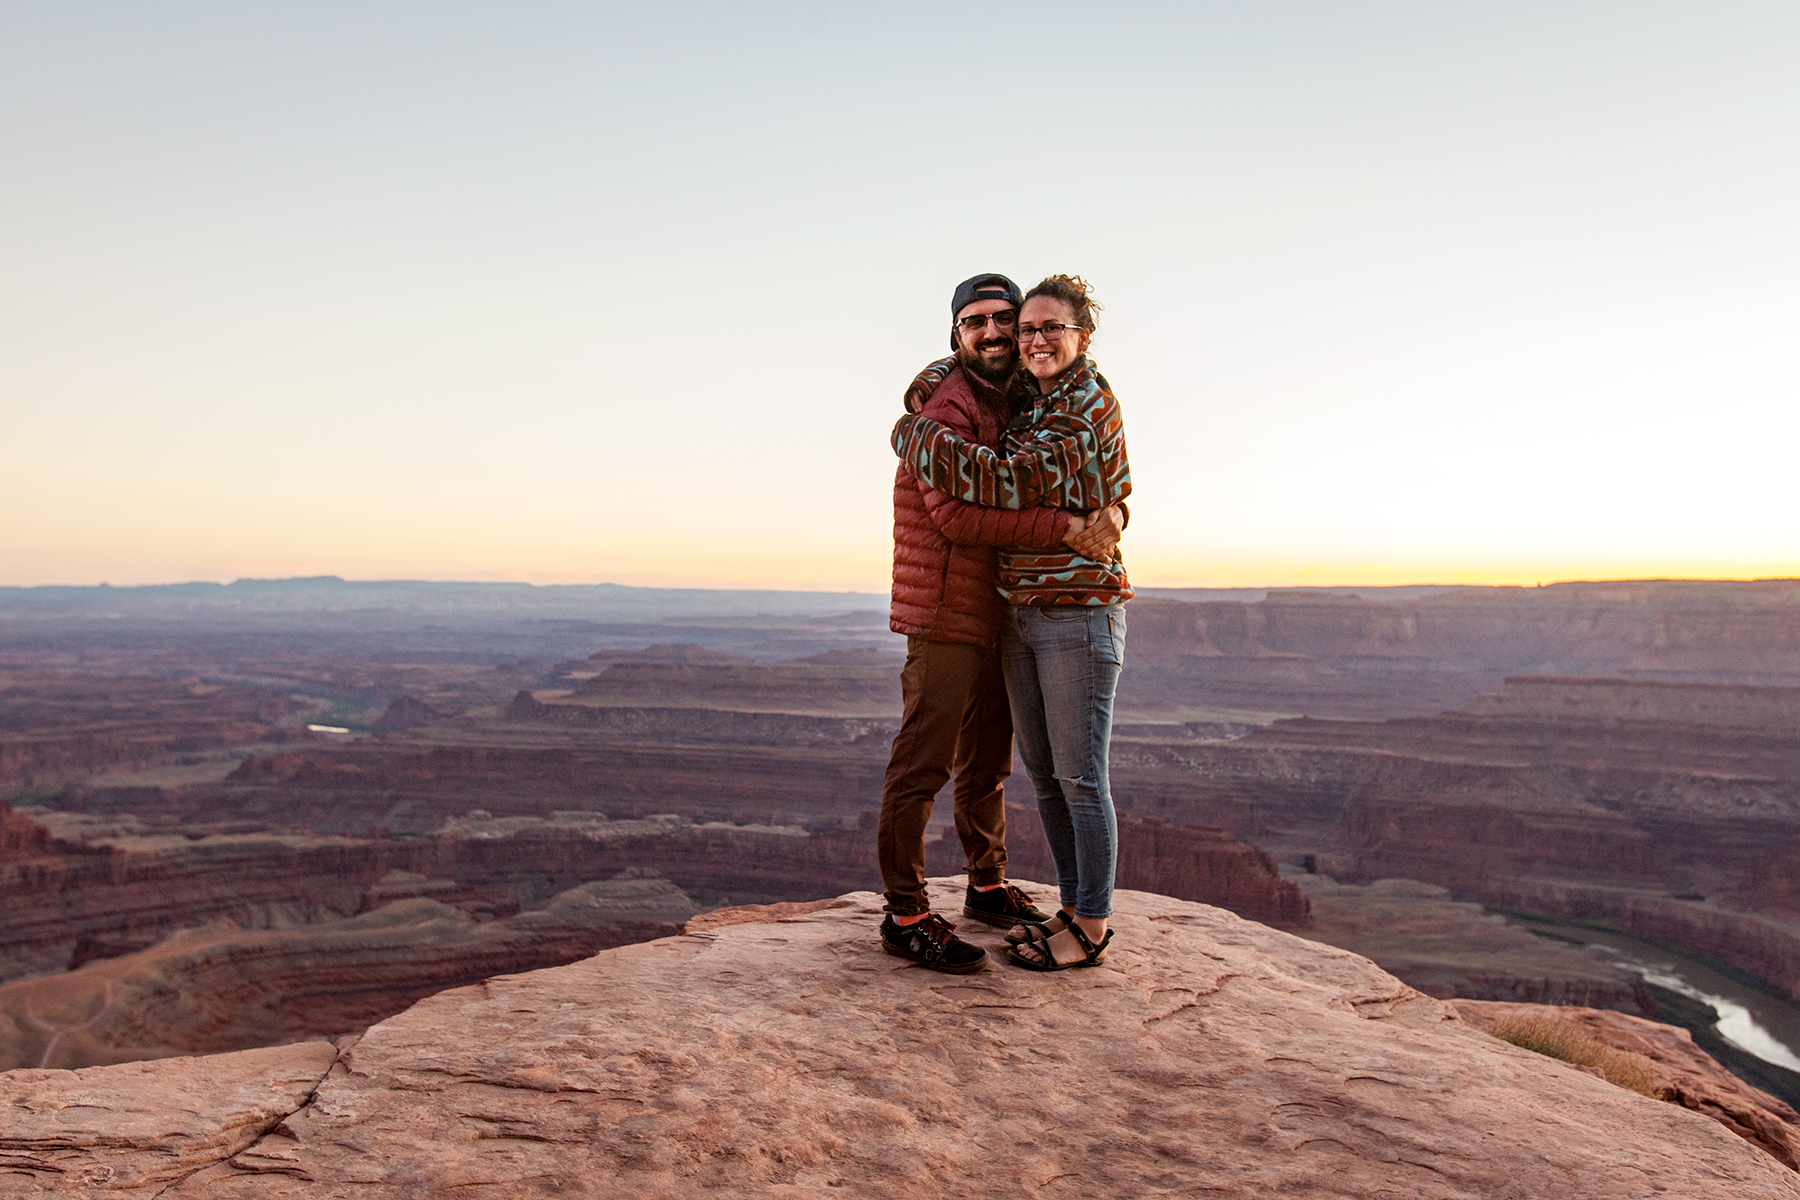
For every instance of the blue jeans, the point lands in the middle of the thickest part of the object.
(1062, 671)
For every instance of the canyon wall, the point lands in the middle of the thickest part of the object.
(127, 889)
(1771, 880)
(863, 683)
(124, 888)
(1610, 782)
(1190, 863)
(220, 987)
(1633, 787)
(1348, 656)
(1671, 810)
(57, 728)
(20, 836)
(1454, 949)
(415, 794)
(1672, 628)
(691, 723)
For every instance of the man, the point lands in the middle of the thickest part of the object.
(955, 717)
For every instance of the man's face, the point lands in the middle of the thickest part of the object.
(991, 347)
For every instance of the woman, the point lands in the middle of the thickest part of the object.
(1063, 638)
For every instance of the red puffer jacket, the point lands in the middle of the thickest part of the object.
(943, 548)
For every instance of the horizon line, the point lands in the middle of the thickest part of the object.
(1142, 587)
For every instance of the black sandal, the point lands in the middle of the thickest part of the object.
(1038, 940)
(1062, 914)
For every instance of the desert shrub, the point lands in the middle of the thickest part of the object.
(1561, 1039)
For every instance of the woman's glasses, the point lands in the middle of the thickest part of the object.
(1052, 331)
(1005, 319)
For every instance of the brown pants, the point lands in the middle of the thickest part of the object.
(956, 718)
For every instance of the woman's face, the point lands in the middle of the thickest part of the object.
(1043, 357)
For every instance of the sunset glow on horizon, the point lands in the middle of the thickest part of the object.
(1397, 293)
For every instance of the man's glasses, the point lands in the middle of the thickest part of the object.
(1052, 331)
(1005, 319)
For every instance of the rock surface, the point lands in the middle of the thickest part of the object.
(136, 1129)
(1209, 1055)
(1685, 1074)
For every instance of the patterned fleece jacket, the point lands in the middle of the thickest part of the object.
(944, 562)
(1067, 450)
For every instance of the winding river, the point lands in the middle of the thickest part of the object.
(1755, 1022)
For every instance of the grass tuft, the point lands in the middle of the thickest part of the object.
(1561, 1039)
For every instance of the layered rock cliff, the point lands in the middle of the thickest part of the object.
(1450, 949)
(1348, 656)
(1207, 1054)
(1771, 880)
(534, 767)
(1190, 863)
(126, 886)
(221, 987)
(824, 684)
(55, 728)
(1608, 782)
(20, 836)
(692, 723)
(1671, 628)
(1653, 805)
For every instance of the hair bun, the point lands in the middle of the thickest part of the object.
(1073, 291)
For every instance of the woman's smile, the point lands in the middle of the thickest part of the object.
(1047, 357)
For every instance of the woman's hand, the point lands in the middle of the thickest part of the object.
(1098, 535)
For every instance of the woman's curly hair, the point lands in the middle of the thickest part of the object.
(1074, 291)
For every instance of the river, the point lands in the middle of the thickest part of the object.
(1755, 1022)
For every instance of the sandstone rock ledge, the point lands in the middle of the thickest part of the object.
(790, 1057)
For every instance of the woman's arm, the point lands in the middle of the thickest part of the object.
(1054, 464)
(918, 392)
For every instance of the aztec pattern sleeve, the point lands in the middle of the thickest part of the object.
(1058, 461)
(1034, 474)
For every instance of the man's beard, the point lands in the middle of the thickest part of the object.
(996, 373)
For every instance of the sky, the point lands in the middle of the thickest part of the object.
(1394, 292)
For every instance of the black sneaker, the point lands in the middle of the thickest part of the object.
(933, 943)
(1005, 905)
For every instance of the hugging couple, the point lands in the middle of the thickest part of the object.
(1008, 585)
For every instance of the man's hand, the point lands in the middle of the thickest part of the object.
(1098, 535)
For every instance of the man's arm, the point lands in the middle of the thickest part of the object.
(967, 524)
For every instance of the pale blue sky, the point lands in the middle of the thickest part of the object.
(1394, 291)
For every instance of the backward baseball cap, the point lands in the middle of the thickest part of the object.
(992, 286)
